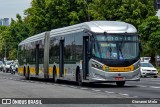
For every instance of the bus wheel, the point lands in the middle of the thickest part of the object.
(27, 74)
(120, 83)
(55, 75)
(79, 79)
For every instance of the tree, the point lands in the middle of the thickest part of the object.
(149, 32)
(131, 11)
(45, 15)
(3, 31)
(13, 35)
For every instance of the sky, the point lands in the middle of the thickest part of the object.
(9, 8)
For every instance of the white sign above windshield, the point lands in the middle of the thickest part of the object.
(116, 38)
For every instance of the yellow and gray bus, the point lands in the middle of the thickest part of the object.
(92, 52)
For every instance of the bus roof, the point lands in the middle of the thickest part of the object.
(93, 26)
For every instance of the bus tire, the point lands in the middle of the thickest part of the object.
(120, 83)
(24, 71)
(55, 80)
(27, 74)
(79, 78)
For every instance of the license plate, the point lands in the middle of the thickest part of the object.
(118, 78)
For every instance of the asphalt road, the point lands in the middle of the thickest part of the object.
(15, 86)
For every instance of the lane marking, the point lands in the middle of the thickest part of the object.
(64, 85)
(123, 94)
(135, 96)
(95, 90)
(155, 80)
(154, 87)
(109, 92)
(48, 83)
(84, 88)
(72, 86)
(142, 86)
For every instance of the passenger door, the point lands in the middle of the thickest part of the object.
(37, 59)
(61, 58)
(85, 56)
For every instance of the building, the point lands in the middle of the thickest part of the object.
(1, 23)
(4, 22)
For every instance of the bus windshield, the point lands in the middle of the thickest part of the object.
(116, 46)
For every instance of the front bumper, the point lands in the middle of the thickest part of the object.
(102, 76)
(149, 74)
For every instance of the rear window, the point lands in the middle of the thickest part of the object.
(8, 63)
(146, 65)
(1, 62)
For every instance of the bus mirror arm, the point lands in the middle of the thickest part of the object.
(88, 54)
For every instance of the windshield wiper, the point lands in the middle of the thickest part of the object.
(120, 50)
(110, 50)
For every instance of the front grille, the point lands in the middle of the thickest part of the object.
(153, 70)
(151, 74)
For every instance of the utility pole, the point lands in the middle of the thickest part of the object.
(5, 52)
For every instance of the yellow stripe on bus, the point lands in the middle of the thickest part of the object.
(58, 71)
(50, 70)
(32, 71)
(121, 69)
(20, 70)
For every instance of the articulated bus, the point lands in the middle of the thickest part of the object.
(89, 52)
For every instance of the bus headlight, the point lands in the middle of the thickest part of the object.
(99, 66)
(144, 69)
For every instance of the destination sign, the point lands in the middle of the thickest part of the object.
(116, 38)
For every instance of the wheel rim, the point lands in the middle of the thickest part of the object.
(28, 74)
(55, 76)
(79, 79)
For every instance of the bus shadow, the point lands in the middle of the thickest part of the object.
(108, 85)
(87, 85)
